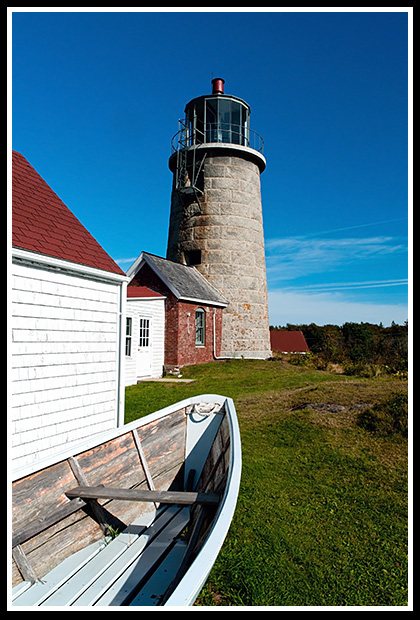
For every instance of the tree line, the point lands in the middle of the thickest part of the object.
(357, 345)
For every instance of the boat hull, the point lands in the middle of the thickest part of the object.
(191, 448)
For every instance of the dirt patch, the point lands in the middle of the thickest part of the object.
(331, 407)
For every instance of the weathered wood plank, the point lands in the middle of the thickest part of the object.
(217, 462)
(144, 495)
(53, 545)
(163, 442)
(45, 523)
(30, 503)
(143, 461)
(114, 462)
(39, 525)
(23, 565)
(213, 478)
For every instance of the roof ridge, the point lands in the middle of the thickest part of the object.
(168, 260)
(184, 289)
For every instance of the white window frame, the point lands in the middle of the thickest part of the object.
(144, 332)
(128, 335)
(200, 327)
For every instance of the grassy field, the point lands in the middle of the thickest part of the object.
(321, 518)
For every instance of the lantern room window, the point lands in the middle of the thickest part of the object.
(218, 119)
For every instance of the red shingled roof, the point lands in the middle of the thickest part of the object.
(42, 223)
(141, 291)
(288, 342)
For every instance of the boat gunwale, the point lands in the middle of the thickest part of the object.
(183, 595)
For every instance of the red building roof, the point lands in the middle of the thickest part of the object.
(288, 342)
(42, 223)
(141, 292)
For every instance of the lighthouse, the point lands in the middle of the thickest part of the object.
(216, 222)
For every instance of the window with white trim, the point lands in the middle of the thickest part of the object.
(128, 334)
(144, 337)
(200, 327)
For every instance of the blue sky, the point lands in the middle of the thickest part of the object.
(95, 98)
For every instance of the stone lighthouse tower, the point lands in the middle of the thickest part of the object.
(216, 214)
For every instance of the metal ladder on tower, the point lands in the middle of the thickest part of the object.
(185, 184)
(182, 180)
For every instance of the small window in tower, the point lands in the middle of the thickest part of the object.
(193, 257)
(200, 327)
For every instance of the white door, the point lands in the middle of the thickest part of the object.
(144, 348)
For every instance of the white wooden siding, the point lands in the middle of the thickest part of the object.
(65, 360)
(155, 310)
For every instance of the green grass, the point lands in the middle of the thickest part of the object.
(321, 517)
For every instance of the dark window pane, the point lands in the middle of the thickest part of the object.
(236, 123)
(200, 327)
(199, 122)
(211, 118)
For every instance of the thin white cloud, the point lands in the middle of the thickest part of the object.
(291, 257)
(334, 230)
(125, 261)
(341, 286)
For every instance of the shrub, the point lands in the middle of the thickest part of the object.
(387, 417)
(362, 370)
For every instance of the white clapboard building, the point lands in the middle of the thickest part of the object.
(145, 334)
(68, 325)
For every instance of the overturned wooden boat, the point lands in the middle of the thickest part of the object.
(135, 518)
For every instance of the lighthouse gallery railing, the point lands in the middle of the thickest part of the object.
(217, 133)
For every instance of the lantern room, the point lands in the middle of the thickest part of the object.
(217, 118)
(214, 121)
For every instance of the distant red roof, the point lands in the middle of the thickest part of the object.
(141, 291)
(42, 223)
(288, 342)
